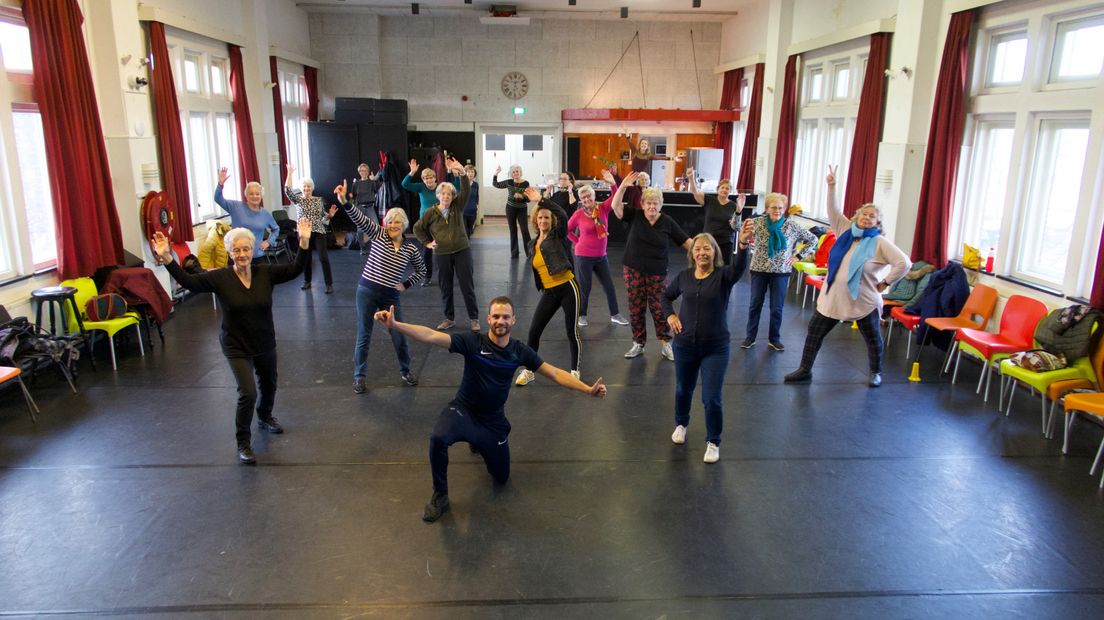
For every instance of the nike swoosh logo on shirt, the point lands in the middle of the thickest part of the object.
(504, 441)
(482, 352)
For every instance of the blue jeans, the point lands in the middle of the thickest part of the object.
(711, 361)
(585, 267)
(760, 282)
(369, 299)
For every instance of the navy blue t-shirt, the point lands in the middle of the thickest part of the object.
(488, 374)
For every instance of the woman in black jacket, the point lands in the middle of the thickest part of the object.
(550, 257)
(517, 206)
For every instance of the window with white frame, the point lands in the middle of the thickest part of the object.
(201, 71)
(831, 79)
(1032, 148)
(739, 128)
(293, 90)
(29, 241)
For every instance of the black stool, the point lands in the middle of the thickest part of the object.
(59, 296)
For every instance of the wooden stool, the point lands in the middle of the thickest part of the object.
(7, 373)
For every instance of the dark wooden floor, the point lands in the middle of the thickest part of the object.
(830, 499)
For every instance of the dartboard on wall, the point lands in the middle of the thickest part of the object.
(515, 85)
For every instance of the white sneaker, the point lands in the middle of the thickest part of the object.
(667, 351)
(635, 351)
(525, 377)
(575, 373)
(679, 436)
(583, 321)
(712, 452)
(617, 319)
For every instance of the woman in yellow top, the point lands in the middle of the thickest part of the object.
(550, 256)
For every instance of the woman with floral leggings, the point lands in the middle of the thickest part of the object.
(645, 264)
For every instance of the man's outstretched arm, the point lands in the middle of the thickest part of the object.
(567, 380)
(417, 332)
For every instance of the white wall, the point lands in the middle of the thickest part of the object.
(745, 34)
(433, 61)
(817, 18)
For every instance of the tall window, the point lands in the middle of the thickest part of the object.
(201, 70)
(1027, 176)
(739, 128)
(830, 83)
(29, 242)
(293, 89)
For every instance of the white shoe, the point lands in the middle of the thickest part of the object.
(712, 452)
(667, 351)
(617, 319)
(583, 321)
(679, 436)
(525, 377)
(575, 373)
(635, 351)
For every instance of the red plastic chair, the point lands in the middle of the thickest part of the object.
(1017, 331)
(908, 321)
(816, 282)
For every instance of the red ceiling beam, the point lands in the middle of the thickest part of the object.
(624, 114)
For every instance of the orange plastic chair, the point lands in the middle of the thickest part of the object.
(975, 314)
(1091, 403)
(1017, 333)
(7, 373)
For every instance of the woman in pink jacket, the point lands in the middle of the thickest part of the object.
(588, 229)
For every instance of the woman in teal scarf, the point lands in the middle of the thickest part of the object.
(777, 243)
(857, 275)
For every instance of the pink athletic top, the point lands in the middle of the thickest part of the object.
(588, 242)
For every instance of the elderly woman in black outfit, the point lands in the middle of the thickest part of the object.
(701, 333)
(517, 206)
(248, 335)
(314, 209)
(719, 213)
(550, 257)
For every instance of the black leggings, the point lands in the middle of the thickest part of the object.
(264, 366)
(565, 296)
(517, 217)
(459, 263)
(820, 325)
(318, 242)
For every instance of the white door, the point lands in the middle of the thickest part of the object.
(536, 150)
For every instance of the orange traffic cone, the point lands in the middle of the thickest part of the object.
(915, 374)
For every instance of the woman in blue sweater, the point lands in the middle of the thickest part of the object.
(701, 332)
(250, 214)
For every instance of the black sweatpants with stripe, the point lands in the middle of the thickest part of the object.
(565, 296)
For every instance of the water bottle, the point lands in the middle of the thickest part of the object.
(989, 260)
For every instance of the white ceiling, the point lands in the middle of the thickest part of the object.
(584, 8)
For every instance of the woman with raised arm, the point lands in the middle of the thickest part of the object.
(517, 206)
(248, 336)
(852, 289)
(441, 229)
(563, 193)
(642, 155)
(777, 238)
(249, 214)
(312, 208)
(427, 197)
(720, 214)
(471, 205)
(383, 280)
(701, 333)
(550, 257)
(588, 229)
(645, 264)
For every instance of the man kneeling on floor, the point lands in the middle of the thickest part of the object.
(477, 414)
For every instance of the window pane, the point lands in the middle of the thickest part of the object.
(739, 130)
(843, 79)
(15, 41)
(983, 205)
(804, 187)
(1079, 51)
(816, 84)
(745, 95)
(1052, 200)
(218, 78)
(31, 149)
(191, 73)
(225, 148)
(202, 164)
(1007, 59)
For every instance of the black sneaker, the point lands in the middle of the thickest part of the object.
(271, 425)
(245, 455)
(875, 379)
(305, 287)
(437, 506)
(747, 343)
(801, 375)
(776, 345)
(358, 385)
(408, 378)
(329, 289)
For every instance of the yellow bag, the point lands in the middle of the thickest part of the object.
(971, 257)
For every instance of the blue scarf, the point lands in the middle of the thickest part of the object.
(862, 254)
(777, 240)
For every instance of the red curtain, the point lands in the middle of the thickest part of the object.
(278, 114)
(745, 179)
(85, 215)
(787, 131)
(868, 128)
(247, 151)
(937, 185)
(730, 100)
(1097, 298)
(170, 138)
(310, 76)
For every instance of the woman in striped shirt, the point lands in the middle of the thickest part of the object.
(517, 206)
(311, 207)
(381, 282)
